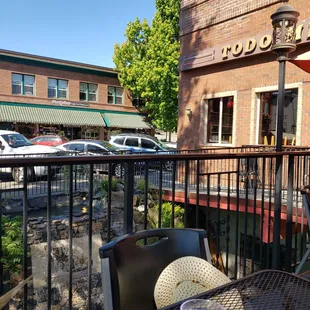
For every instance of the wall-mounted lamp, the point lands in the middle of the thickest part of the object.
(189, 113)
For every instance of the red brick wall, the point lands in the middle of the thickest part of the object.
(200, 14)
(41, 76)
(241, 75)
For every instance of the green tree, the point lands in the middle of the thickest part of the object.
(148, 63)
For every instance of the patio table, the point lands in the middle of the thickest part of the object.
(267, 289)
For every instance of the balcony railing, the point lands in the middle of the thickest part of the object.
(53, 225)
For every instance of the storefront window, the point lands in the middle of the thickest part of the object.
(22, 84)
(90, 133)
(220, 120)
(57, 88)
(115, 95)
(88, 92)
(268, 116)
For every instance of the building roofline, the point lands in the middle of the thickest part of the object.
(55, 61)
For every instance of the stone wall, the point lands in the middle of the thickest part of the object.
(37, 243)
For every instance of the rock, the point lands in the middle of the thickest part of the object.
(56, 296)
(117, 200)
(139, 192)
(41, 226)
(120, 187)
(81, 229)
(97, 206)
(39, 203)
(138, 216)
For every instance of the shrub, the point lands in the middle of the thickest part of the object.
(166, 216)
(12, 243)
(151, 189)
(105, 184)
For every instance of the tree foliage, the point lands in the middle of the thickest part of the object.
(147, 62)
(12, 243)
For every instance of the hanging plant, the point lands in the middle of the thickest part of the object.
(230, 103)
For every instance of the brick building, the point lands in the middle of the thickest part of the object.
(229, 76)
(40, 95)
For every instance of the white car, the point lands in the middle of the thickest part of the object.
(14, 144)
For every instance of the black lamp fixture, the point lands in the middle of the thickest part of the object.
(284, 22)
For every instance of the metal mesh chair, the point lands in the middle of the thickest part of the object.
(249, 173)
(130, 269)
(306, 204)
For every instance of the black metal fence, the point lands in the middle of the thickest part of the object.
(80, 202)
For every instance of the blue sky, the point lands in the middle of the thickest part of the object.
(83, 31)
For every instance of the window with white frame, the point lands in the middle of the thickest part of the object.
(88, 92)
(57, 88)
(220, 120)
(22, 84)
(268, 115)
(115, 95)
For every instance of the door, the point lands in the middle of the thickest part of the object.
(148, 145)
(132, 143)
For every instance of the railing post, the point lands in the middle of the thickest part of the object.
(277, 214)
(25, 236)
(279, 164)
(288, 254)
(128, 197)
(1, 265)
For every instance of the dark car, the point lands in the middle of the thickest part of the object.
(96, 147)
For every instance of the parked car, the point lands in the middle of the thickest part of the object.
(14, 144)
(51, 140)
(140, 143)
(96, 147)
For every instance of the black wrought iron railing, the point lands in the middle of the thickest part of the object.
(59, 210)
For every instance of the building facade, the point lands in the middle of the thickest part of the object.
(229, 76)
(40, 95)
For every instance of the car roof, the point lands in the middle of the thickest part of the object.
(49, 136)
(139, 135)
(86, 141)
(7, 132)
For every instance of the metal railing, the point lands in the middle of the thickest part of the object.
(74, 209)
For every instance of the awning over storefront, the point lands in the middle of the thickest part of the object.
(121, 120)
(302, 61)
(37, 115)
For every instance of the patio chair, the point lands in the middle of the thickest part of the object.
(130, 270)
(250, 173)
(305, 191)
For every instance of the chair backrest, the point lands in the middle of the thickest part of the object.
(133, 270)
(252, 164)
(305, 191)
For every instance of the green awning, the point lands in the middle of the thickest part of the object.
(122, 120)
(34, 115)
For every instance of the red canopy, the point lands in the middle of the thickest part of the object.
(302, 61)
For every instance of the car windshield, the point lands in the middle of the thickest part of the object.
(16, 140)
(108, 146)
(163, 145)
